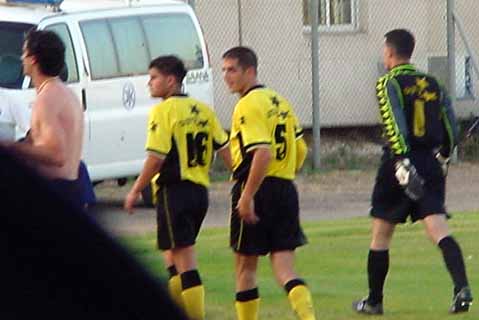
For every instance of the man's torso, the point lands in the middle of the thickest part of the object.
(67, 121)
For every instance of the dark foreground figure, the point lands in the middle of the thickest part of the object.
(58, 264)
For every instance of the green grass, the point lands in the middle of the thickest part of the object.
(334, 263)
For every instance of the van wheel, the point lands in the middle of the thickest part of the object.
(147, 196)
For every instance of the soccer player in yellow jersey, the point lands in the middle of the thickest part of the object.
(183, 134)
(267, 149)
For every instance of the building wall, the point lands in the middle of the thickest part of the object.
(350, 62)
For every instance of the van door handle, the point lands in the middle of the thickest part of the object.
(83, 98)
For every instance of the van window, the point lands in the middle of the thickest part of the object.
(125, 46)
(130, 44)
(70, 74)
(101, 51)
(174, 34)
(12, 35)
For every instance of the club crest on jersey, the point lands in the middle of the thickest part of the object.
(275, 101)
(194, 110)
(153, 126)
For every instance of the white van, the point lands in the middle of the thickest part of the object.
(109, 45)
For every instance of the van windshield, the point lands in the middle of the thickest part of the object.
(11, 42)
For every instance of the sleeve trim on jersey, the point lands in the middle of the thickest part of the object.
(392, 116)
(252, 146)
(299, 134)
(155, 153)
(218, 146)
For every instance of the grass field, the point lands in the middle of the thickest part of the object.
(333, 264)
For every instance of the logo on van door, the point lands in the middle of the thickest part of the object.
(129, 96)
(200, 76)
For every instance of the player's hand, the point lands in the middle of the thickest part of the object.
(130, 200)
(246, 211)
(409, 179)
(443, 162)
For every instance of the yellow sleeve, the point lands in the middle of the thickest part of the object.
(253, 126)
(158, 139)
(298, 130)
(301, 152)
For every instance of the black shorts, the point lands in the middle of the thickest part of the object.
(276, 205)
(389, 201)
(181, 210)
(69, 190)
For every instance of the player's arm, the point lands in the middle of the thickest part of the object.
(256, 137)
(450, 126)
(301, 152)
(392, 116)
(48, 147)
(261, 159)
(221, 143)
(225, 155)
(151, 167)
(301, 147)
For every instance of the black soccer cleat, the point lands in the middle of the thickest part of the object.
(461, 301)
(362, 306)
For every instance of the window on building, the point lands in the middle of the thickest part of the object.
(333, 14)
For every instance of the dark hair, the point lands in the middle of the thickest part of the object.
(402, 41)
(48, 49)
(246, 57)
(170, 65)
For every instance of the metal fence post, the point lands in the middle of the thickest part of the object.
(314, 14)
(240, 24)
(192, 3)
(451, 51)
(451, 58)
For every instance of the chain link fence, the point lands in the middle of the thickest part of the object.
(351, 36)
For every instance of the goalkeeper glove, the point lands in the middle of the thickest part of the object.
(409, 179)
(443, 162)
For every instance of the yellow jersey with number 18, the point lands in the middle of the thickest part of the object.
(264, 118)
(185, 133)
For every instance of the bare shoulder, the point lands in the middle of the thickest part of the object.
(57, 99)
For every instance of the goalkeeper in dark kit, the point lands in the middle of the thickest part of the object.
(420, 132)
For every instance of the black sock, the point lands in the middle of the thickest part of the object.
(291, 284)
(454, 262)
(172, 271)
(190, 279)
(378, 266)
(247, 295)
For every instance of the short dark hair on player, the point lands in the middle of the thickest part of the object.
(48, 49)
(402, 41)
(171, 66)
(246, 57)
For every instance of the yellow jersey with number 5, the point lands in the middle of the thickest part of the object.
(263, 118)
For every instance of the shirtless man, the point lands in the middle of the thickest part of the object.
(54, 145)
